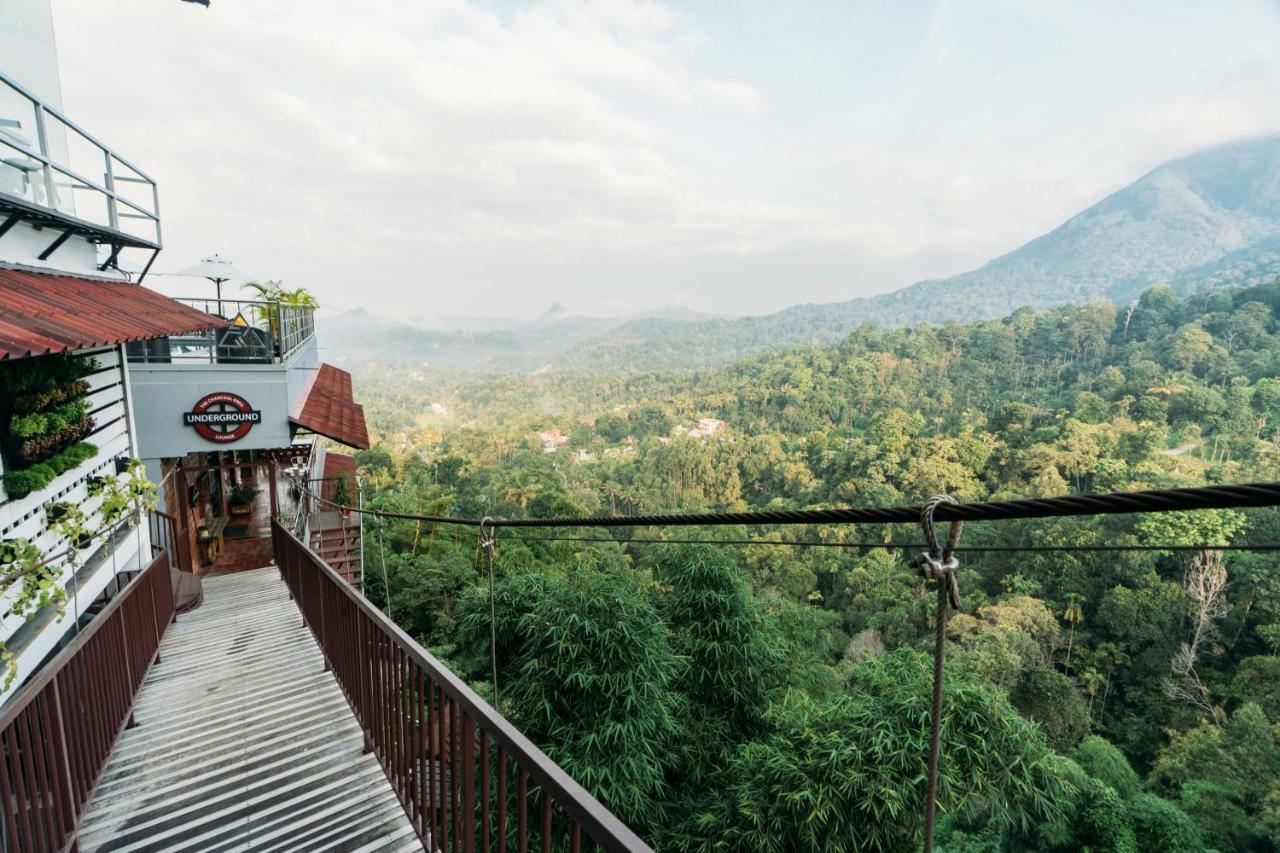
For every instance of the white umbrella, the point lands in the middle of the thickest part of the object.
(217, 269)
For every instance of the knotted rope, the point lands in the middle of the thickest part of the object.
(938, 564)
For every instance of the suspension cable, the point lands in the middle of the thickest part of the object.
(1111, 503)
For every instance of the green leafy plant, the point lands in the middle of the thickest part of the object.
(37, 579)
(19, 484)
(243, 493)
(342, 491)
(42, 417)
(274, 291)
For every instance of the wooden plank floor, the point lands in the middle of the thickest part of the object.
(243, 741)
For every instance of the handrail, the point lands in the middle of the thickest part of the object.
(51, 169)
(265, 332)
(57, 731)
(391, 683)
(17, 87)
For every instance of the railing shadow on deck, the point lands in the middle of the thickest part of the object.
(467, 779)
(57, 732)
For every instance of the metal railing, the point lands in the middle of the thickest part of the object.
(46, 161)
(57, 732)
(260, 333)
(467, 779)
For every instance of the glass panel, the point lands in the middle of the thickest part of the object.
(21, 175)
(17, 119)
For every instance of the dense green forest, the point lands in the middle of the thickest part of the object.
(775, 697)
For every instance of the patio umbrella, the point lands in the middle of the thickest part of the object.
(217, 269)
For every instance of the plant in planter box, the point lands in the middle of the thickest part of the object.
(241, 496)
(43, 416)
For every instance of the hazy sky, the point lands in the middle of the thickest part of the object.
(441, 157)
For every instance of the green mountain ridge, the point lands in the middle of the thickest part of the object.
(1207, 220)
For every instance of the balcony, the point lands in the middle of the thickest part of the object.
(259, 333)
(55, 175)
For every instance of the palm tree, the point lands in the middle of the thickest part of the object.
(1092, 681)
(276, 292)
(519, 487)
(1074, 614)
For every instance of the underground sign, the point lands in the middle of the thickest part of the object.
(222, 417)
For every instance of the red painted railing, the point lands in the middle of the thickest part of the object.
(58, 730)
(467, 778)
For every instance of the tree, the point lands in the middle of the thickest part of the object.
(1074, 615)
(586, 672)
(844, 773)
(1205, 582)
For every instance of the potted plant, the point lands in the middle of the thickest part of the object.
(240, 499)
(58, 511)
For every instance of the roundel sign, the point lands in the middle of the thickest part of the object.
(222, 417)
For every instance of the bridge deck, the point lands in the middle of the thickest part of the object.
(243, 741)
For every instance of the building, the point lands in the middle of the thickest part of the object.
(66, 314)
(194, 662)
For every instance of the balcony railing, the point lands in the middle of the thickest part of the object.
(467, 778)
(260, 333)
(49, 165)
(57, 731)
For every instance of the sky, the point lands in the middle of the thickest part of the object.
(437, 158)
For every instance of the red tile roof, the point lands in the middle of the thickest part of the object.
(42, 313)
(330, 409)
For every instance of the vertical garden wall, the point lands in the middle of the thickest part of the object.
(44, 418)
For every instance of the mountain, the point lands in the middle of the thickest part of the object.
(1207, 220)
(1210, 219)
(523, 347)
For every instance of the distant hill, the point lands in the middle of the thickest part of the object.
(1207, 220)
(522, 347)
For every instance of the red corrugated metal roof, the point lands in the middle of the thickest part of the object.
(331, 410)
(42, 314)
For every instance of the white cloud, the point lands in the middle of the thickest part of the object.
(415, 154)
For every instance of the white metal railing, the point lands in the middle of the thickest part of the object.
(48, 161)
(259, 333)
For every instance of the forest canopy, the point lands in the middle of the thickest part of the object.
(775, 697)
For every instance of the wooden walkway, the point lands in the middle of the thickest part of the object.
(243, 741)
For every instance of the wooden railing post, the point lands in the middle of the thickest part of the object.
(124, 653)
(60, 726)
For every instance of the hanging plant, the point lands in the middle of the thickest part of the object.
(24, 568)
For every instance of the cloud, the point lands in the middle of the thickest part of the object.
(441, 156)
